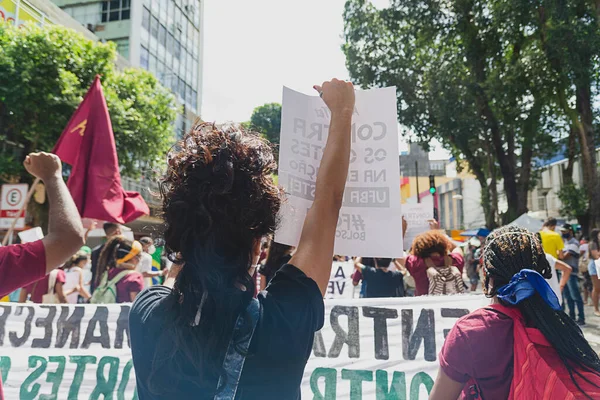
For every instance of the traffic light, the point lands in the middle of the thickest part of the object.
(432, 188)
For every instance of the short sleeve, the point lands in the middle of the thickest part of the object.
(458, 260)
(61, 277)
(466, 351)
(560, 245)
(410, 263)
(293, 296)
(135, 282)
(20, 265)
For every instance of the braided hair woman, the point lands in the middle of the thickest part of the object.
(479, 347)
(207, 338)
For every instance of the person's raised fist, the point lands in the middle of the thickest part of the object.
(337, 95)
(43, 165)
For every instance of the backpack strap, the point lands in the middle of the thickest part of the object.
(535, 335)
(117, 278)
(233, 364)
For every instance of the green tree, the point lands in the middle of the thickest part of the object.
(466, 74)
(575, 203)
(266, 119)
(46, 71)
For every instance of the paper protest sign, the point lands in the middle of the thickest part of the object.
(370, 222)
(340, 281)
(417, 219)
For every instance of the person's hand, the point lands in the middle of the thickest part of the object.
(433, 224)
(165, 272)
(337, 95)
(43, 165)
(93, 225)
(562, 287)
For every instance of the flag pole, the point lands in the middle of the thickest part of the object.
(23, 207)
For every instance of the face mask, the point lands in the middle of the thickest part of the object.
(151, 249)
(566, 236)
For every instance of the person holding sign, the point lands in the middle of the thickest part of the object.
(523, 345)
(207, 338)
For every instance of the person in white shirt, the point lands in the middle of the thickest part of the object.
(566, 270)
(145, 264)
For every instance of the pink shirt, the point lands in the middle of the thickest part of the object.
(417, 268)
(132, 282)
(20, 264)
(480, 347)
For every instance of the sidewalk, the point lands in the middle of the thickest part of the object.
(591, 330)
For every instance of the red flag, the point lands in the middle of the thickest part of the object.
(88, 145)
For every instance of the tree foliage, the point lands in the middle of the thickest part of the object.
(46, 71)
(474, 74)
(266, 119)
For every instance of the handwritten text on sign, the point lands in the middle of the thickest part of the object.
(370, 222)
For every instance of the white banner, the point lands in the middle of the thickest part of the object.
(366, 346)
(370, 222)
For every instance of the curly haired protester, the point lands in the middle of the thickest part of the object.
(22, 264)
(432, 248)
(523, 346)
(207, 338)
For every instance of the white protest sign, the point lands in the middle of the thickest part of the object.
(340, 282)
(370, 222)
(417, 220)
(31, 235)
(11, 201)
(366, 345)
(382, 348)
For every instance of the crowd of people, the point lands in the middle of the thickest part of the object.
(208, 333)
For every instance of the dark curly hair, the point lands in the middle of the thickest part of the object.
(430, 242)
(510, 249)
(218, 200)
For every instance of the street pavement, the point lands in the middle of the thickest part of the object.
(591, 330)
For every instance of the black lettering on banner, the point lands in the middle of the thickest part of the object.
(46, 323)
(5, 313)
(81, 362)
(15, 340)
(101, 317)
(340, 289)
(122, 327)
(340, 273)
(105, 385)
(380, 317)
(25, 393)
(319, 345)
(424, 331)
(69, 326)
(453, 313)
(351, 338)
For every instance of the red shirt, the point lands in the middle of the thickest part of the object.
(40, 288)
(480, 347)
(20, 264)
(132, 282)
(417, 268)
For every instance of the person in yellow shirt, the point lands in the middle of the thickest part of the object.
(551, 240)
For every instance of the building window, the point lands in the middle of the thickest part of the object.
(115, 10)
(146, 19)
(195, 101)
(154, 27)
(144, 58)
(162, 35)
(122, 47)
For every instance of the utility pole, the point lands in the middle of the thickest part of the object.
(417, 174)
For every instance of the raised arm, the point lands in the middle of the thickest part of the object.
(65, 231)
(315, 250)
